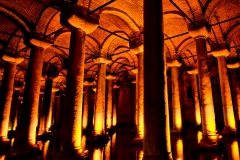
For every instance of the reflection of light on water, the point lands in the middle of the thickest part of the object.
(84, 139)
(45, 150)
(179, 147)
(97, 154)
(139, 155)
(11, 142)
(208, 156)
(234, 151)
(199, 136)
(113, 141)
(2, 157)
(107, 151)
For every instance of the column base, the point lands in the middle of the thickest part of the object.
(74, 155)
(208, 143)
(137, 142)
(98, 140)
(24, 152)
(229, 131)
(177, 131)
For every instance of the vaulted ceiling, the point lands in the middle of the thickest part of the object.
(120, 23)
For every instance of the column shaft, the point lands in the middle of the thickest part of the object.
(71, 130)
(155, 130)
(109, 103)
(26, 130)
(6, 99)
(100, 101)
(137, 102)
(229, 120)
(206, 98)
(196, 99)
(86, 106)
(46, 105)
(140, 93)
(14, 110)
(236, 91)
(176, 106)
(115, 102)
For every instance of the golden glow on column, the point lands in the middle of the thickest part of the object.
(109, 101)
(233, 150)
(97, 154)
(179, 149)
(84, 140)
(196, 99)
(114, 115)
(176, 107)
(113, 140)
(85, 106)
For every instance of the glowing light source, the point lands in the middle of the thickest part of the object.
(97, 154)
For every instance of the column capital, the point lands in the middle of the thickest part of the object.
(115, 86)
(220, 53)
(102, 60)
(200, 31)
(18, 86)
(12, 59)
(89, 83)
(193, 71)
(55, 89)
(174, 63)
(40, 43)
(138, 49)
(135, 70)
(233, 65)
(110, 77)
(133, 81)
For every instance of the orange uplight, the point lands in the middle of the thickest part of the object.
(139, 155)
(199, 136)
(2, 157)
(179, 149)
(97, 154)
(114, 119)
(98, 126)
(107, 151)
(45, 150)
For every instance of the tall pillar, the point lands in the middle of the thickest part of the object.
(135, 71)
(71, 131)
(99, 114)
(195, 91)
(109, 110)
(7, 93)
(236, 89)
(87, 89)
(206, 99)
(176, 106)
(155, 130)
(26, 129)
(228, 114)
(115, 102)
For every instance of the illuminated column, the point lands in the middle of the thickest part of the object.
(176, 106)
(109, 110)
(99, 114)
(135, 71)
(236, 89)
(206, 99)
(87, 89)
(26, 129)
(228, 114)
(155, 130)
(139, 90)
(71, 131)
(115, 102)
(7, 93)
(194, 82)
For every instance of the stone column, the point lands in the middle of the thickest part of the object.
(155, 130)
(109, 110)
(232, 148)
(206, 99)
(228, 114)
(87, 89)
(195, 91)
(115, 102)
(236, 89)
(7, 93)
(135, 71)
(26, 129)
(99, 113)
(139, 91)
(71, 131)
(176, 106)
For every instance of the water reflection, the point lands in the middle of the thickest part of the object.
(177, 147)
(139, 155)
(233, 149)
(97, 154)
(2, 157)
